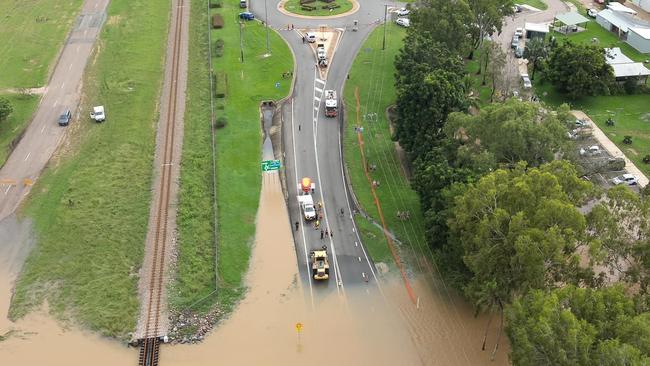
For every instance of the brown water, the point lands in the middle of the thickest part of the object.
(389, 331)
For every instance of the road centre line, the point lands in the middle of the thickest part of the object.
(28, 154)
(302, 230)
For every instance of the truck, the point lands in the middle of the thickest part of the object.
(321, 54)
(320, 265)
(331, 103)
(98, 114)
(306, 203)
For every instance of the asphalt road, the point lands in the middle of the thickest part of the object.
(44, 135)
(312, 148)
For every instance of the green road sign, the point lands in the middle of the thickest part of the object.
(268, 165)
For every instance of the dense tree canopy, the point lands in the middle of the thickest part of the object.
(577, 326)
(487, 18)
(519, 230)
(580, 70)
(446, 22)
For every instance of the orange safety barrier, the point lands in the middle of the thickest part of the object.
(389, 240)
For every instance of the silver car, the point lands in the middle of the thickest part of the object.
(526, 80)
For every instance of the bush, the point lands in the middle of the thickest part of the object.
(303, 2)
(216, 4)
(646, 159)
(220, 84)
(218, 47)
(627, 140)
(307, 7)
(221, 122)
(330, 6)
(220, 104)
(217, 21)
(631, 86)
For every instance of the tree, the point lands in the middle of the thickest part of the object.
(512, 131)
(577, 326)
(580, 70)
(495, 60)
(536, 52)
(487, 19)
(446, 22)
(5, 108)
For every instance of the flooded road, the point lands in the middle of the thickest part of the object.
(355, 329)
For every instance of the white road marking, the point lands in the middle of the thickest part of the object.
(28, 154)
(70, 67)
(318, 89)
(77, 51)
(62, 84)
(55, 103)
(315, 108)
(8, 188)
(43, 129)
(304, 240)
(337, 269)
(317, 98)
(320, 81)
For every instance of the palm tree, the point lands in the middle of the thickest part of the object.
(535, 52)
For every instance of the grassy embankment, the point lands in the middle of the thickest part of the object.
(31, 35)
(293, 6)
(16, 123)
(372, 72)
(91, 206)
(238, 157)
(629, 111)
(539, 4)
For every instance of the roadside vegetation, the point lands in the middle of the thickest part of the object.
(91, 206)
(539, 4)
(318, 7)
(504, 216)
(31, 36)
(238, 143)
(12, 127)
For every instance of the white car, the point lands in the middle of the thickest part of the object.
(628, 179)
(404, 22)
(403, 12)
(526, 81)
(592, 12)
(519, 32)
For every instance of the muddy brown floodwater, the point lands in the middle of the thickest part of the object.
(357, 329)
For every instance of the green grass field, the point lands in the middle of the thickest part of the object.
(238, 159)
(293, 6)
(372, 72)
(539, 4)
(31, 35)
(16, 123)
(91, 207)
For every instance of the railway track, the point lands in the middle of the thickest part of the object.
(150, 341)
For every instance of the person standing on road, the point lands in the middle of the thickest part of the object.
(297, 225)
(321, 234)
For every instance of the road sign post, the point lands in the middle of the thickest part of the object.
(270, 165)
(298, 329)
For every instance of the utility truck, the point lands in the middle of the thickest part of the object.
(331, 103)
(305, 188)
(320, 266)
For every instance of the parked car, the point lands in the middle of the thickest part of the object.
(310, 37)
(519, 52)
(581, 123)
(65, 118)
(242, 4)
(526, 81)
(592, 12)
(247, 15)
(628, 179)
(519, 32)
(515, 42)
(404, 22)
(403, 12)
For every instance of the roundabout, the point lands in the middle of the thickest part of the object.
(318, 9)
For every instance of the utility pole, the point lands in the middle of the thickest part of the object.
(383, 43)
(241, 42)
(266, 22)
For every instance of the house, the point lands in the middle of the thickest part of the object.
(625, 68)
(535, 30)
(639, 38)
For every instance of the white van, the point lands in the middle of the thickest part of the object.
(310, 37)
(242, 4)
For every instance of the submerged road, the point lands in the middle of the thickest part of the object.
(312, 147)
(44, 135)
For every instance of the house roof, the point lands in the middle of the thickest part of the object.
(642, 32)
(631, 69)
(614, 56)
(620, 7)
(571, 18)
(621, 20)
(536, 27)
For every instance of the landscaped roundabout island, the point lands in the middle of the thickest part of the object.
(318, 8)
